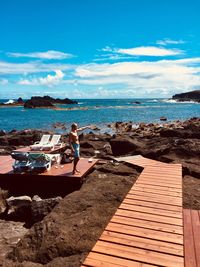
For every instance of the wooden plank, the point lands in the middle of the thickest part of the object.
(190, 258)
(146, 233)
(156, 191)
(102, 260)
(174, 181)
(160, 183)
(149, 217)
(154, 199)
(164, 174)
(152, 204)
(168, 199)
(138, 254)
(167, 188)
(163, 227)
(153, 194)
(140, 242)
(159, 193)
(151, 210)
(196, 234)
(162, 171)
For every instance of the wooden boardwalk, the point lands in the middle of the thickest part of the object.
(192, 237)
(147, 228)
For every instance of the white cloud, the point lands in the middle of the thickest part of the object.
(3, 81)
(162, 77)
(50, 54)
(169, 41)
(31, 67)
(50, 80)
(149, 51)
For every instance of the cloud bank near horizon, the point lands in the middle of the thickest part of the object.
(132, 74)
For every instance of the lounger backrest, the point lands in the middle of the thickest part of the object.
(45, 139)
(21, 156)
(39, 158)
(55, 139)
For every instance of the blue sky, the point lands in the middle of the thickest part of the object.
(99, 48)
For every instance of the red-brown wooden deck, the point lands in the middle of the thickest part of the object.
(64, 170)
(192, 237)
(147, 228)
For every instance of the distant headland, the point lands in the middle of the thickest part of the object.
(39, 102)
(188, 96)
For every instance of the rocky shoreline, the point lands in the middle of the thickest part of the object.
(66, 234)
(188, 96)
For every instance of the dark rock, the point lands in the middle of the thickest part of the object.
(2, 132)
(59, 101)
(59, 125)
(37, 103)
(136, 102)
(188, 96)
(86, 145)
(122, 146)
(46, 102)
(18, 208)
(20, 100)
(163, 119)
(41, 207)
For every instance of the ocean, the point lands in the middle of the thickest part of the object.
(97, 111)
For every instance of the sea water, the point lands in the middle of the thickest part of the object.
(97, 111)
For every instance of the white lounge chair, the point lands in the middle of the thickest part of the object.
(54, 142)
(39, 145)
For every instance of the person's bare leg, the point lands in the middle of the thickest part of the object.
(76, 160)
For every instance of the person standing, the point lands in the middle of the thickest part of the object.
(75, 145)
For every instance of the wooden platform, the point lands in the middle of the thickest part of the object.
(140, 161)
(192, 237)
(64, 170)
(147, 228)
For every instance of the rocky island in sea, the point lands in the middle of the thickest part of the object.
(63, 226)
(188, 96)
(39, 102)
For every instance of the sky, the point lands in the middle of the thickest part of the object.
(99, 48)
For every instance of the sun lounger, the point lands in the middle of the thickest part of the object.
(22, 161)
(54, 142)
(42, 162)
(39, 145)
(39, 162)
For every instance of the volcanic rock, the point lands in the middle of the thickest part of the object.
(163, 119)
(188, 96)
(46, 102)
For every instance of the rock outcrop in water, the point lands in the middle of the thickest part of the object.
(13, 103)
(188, 96)
(46, 102)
